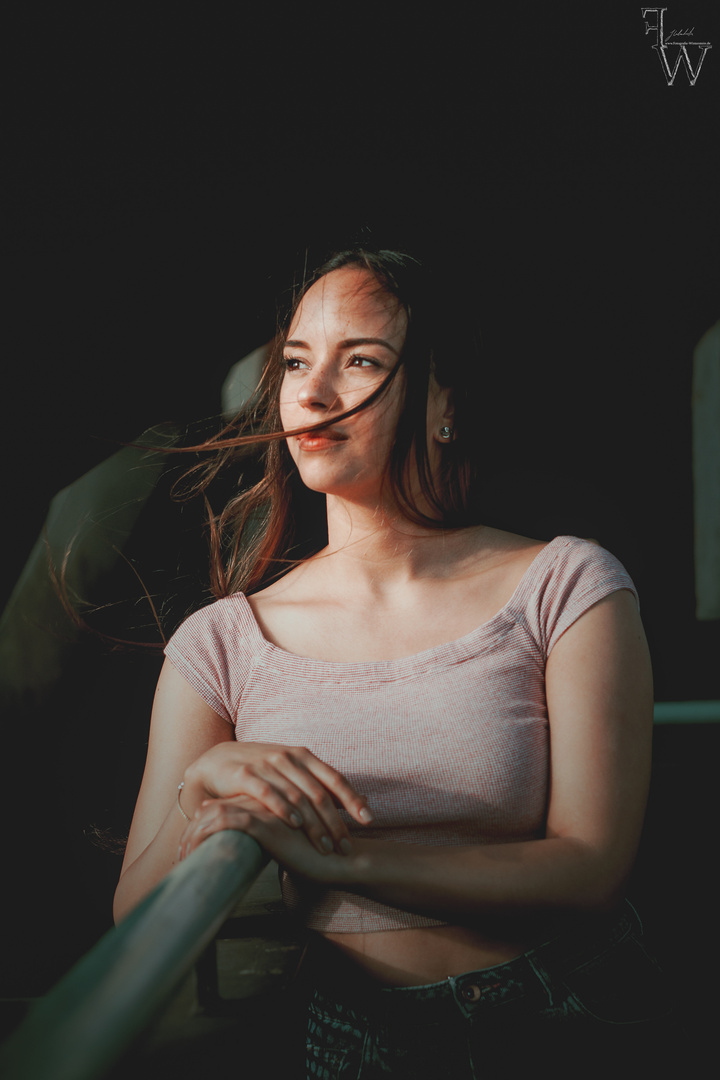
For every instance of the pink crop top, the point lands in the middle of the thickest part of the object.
(449, 746)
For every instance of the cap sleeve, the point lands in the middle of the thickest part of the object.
(205, 650)
(583, 574)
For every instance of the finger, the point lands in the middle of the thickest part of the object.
(290, 793)
(199, 829)
(213, 816)
(321, 820)
(302, 803)
(340, 789)
(270, 789)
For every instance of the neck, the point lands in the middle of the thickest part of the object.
(379, 544)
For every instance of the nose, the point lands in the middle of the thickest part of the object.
(318, 390)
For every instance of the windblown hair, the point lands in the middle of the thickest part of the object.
(272, 523)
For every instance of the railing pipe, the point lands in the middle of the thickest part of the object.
(96, 1011)
(687, 712)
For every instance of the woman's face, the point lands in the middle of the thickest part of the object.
(345, 338)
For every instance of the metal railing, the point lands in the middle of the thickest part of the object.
(687, 712)
(97, 1011)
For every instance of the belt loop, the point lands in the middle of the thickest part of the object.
(543, 979)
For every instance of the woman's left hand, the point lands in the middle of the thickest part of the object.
(290, 847)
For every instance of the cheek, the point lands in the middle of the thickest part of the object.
(285, 406)
(391, 412)
(376, 432)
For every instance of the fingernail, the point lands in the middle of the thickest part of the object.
(365, 814)
(345, 846)
(326, 843)
(296, 820)
(179, 854)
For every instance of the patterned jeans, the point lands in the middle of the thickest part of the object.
(581, 1006)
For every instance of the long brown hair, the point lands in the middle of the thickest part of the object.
(273, 521)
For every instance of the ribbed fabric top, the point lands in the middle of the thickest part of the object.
(449, 746)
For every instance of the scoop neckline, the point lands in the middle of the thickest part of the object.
(454, 648)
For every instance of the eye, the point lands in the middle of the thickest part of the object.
(363, 361)
(293, 363)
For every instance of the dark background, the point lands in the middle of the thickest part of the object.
(163, 171)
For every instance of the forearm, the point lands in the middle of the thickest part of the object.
(144, 867)
(461, 883)
(142, 872)
(140, 877)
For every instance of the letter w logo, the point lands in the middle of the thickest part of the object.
(661, 50)
(661, 47)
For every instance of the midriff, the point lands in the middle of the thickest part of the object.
(420, 955)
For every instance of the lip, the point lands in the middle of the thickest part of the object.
(320, 440)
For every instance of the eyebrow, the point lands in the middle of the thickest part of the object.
(349, 343)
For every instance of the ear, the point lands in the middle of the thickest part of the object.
(441, 413)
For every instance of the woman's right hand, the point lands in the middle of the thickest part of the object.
(288, 781)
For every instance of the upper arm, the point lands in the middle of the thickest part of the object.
(600, 701)
(183, 727)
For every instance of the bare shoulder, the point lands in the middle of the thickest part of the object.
(296, 586)
(501, 551)
(499, 541)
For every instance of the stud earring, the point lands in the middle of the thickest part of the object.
(446, 432)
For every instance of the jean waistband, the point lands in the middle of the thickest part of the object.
(522, 978)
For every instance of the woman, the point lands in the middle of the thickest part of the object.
(439, 729)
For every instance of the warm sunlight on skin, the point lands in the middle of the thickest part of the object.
(485, 696)
(344, 340)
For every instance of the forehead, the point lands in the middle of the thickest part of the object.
(349, 303)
